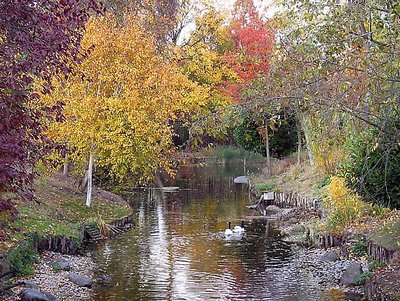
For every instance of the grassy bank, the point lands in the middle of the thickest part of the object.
(59, 209)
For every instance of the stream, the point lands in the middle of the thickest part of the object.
(178, 249)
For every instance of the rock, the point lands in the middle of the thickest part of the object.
(80, 280)
(296, 229)
(330, 256)
(272, 209)
(28, 294)
(292, 221)
(30, 284)
(351, 274)
(61, 264)
(241, 180)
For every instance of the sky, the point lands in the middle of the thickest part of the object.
(227, 5)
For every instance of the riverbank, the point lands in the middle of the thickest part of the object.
(57, 220)
(372, 244)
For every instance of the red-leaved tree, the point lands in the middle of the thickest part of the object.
(38, 38)
(253, 40)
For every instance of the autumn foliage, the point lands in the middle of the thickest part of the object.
(121, 102)
(253, 40)
(37, 39)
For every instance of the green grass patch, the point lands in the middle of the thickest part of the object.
(387, 235)
(31, 221)
(61, 211)
(268, 186)
(63, 203)
(235, 153)
(76, 210)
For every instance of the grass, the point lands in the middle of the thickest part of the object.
(66, 204)
(32, 221)
(268, 186)
(290, 177)
(235, 153)
(60, 210)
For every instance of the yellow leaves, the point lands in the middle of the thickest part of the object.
(122, 100)
(344, 206)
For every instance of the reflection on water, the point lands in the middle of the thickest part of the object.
(178, 250)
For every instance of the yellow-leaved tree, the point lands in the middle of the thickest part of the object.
(121, 102)
(204, 62)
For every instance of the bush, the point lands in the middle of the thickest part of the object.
(360, 248)
(372, 168)
(269, 186)
(342, 205)
(23, 257)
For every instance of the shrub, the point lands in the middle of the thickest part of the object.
(364, 277)
(270, 186)
(23, 257)
(372, 167)
(343, 206)
(360, 248)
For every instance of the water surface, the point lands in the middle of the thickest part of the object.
(178, 250)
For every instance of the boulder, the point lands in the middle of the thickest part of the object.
(352, 274)
(293, 221)
(241, 180)
(61, 264)
(330, 256)
(296, 229)
(272, 209)
(80, 280)
(28, 294)
(29, 284)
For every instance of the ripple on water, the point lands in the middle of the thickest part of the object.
(180, 252)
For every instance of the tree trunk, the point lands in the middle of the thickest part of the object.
(267, 147)
(83, 183)
(299, 145)
(303, 124)
(89, 181)
(65, 167)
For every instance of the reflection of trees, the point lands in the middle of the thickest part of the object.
(178, 249)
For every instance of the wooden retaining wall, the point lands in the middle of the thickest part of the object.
(293, 199)
(61, 244)
(379, 253)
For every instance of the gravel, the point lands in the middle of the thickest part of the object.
(327, 273)
(55, 281)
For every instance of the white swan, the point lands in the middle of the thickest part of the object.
(239, 229)
(228, 232)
